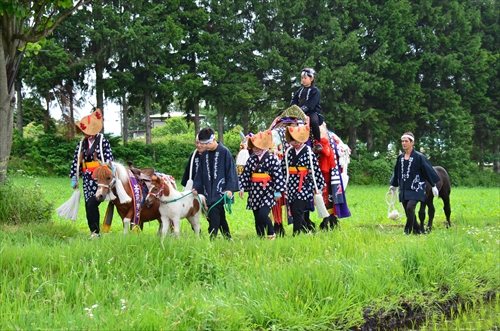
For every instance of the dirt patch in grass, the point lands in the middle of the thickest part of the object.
(409, 315)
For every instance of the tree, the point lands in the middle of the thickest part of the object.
(22, 23)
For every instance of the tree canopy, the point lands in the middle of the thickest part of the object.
(383, 67)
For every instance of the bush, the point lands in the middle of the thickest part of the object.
(369, 172)
(472, 176)
(380, 171)
(22, 205)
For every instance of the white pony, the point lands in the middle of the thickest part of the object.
(175, 205)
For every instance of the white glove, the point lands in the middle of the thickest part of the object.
(392, 188)
(435, 191)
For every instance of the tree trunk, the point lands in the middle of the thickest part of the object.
(46, 116)
(19, 107)
(6, 117)
(99, 89)
(71, 115)
(369, 140)
(196, 110)
(352, 139)
(220, 125)
(147, 108)
(496, 161)
(124, 119)
(245, 121)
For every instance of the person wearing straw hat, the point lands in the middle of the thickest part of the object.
(192, 166)
(411, 171)
(308, 99)
(263, 179)
(216, 179)
(303, 175)
(92, 149)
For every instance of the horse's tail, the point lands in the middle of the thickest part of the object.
(204, 206)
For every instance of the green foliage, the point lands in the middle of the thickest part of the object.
(363, 171)
(176, 125)
(33, 131)
(24, 204)
(43, 156)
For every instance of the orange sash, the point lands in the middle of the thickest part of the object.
(90, 166)
(301, 171)
(261, 178)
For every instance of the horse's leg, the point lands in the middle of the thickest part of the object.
(195, 223)
(447, 209)
(324, 224)
(126, 225)
(160, 224)
(421, 215)
(334, 221)
(165, 226)
(431, 211)
(177, 226)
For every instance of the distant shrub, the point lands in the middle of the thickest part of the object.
(51, 155)
(22, 205)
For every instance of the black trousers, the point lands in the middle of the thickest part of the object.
(262, 221)
(93, 217)
(216, 220)
(411, 219)
(314, 124)
(298, 207)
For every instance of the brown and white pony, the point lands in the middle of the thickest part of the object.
(114, 184)
(175, 205)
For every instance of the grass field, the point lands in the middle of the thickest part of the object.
(366, 273)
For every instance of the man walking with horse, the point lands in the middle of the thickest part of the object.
(216, 179)
(411, 171)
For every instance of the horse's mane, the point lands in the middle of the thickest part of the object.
(121, 172)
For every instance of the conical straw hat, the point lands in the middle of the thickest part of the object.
(262, 140)
(297, 133)
(90, 124)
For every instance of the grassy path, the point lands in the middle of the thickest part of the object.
(364, 274)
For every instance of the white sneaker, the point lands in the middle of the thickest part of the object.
(94, 235)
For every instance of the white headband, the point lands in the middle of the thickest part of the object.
(209, 140)
(408, 136)
(307, 72)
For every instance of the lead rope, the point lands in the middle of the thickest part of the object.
(227, 204)
(312, 170)
(392, 212)
(78, 164)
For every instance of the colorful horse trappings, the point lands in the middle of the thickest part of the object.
(333, 161)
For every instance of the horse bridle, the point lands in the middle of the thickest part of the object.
(160, 192)
(113, 181)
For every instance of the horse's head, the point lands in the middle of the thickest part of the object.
(155, 190)
(105, 181)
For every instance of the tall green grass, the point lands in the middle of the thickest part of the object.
(55, 278)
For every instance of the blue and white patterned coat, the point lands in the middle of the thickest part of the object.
(302, 160)
(90, 184)
(410, 176)
(258, 195)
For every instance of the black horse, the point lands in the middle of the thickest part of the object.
(444, 187)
